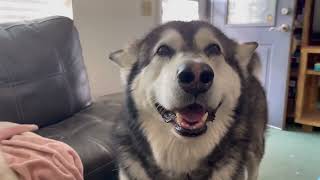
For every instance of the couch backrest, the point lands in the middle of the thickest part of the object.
(42, 74)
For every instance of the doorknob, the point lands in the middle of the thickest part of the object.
(285, 11)
(281, 28)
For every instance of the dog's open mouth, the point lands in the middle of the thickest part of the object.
(190, 121)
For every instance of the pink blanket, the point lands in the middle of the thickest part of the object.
(33, 157)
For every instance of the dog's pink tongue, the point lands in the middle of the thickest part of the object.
(192, 114)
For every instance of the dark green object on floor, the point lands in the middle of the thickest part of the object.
(291, 155)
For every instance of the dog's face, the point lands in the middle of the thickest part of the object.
(182, 72)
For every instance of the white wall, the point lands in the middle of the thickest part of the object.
(105, 26)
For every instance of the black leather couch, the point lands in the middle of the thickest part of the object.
(43, 81)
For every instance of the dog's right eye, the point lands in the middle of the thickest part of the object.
(165, 51)
(212, 49)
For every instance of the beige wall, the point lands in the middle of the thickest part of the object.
(105, 26)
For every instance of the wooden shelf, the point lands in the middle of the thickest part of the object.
(311, 49)
(312, 72)
(306, 112)
(310, 118)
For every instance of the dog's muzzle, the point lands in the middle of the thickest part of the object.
(194, 78)
(190, 121)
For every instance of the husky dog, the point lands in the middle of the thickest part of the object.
(195, 109)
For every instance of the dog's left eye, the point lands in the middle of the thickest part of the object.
(212, 49)
(165, 51)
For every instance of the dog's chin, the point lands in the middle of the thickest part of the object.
(188, 121)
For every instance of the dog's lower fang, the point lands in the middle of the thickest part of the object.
(205, 116)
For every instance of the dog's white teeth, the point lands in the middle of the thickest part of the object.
(179, 118)
(204, 117)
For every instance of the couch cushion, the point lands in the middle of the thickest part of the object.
(89, 132)
(42, 74)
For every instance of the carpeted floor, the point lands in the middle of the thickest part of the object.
(291, 155)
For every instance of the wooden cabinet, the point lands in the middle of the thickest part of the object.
(307, 111)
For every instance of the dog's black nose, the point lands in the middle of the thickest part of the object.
(195, 78)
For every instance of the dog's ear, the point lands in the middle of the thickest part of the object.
(244, 54)
(125, 57)
(116, 56)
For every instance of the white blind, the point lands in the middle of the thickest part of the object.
(17, 10)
